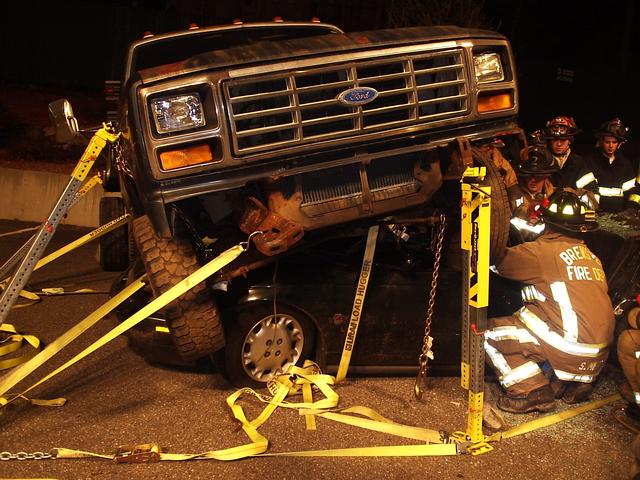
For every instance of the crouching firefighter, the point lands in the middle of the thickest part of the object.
(629, 358)
(567, 319)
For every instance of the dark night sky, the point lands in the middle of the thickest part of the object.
(571, 59)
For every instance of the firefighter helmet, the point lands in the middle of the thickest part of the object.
(567, 212)
(560, 128)
(537, 160)
(537, 137)
(614, 128)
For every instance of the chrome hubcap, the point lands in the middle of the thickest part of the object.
(271, 346)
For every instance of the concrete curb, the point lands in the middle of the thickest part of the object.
(30, 196)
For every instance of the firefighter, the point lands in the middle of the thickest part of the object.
(534, 188)
(629, 358)
(567, 319)
(492, 147)
(534, 172)
(574, 172)
(617, 181)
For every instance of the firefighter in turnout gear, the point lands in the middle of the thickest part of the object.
(534, 172)
(533, 190)
(629, 358)
(617, 181)
(567, 319)
(574, 171)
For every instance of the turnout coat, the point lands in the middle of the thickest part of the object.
(617, 181)
(567, 318)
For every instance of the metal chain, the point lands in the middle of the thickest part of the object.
(28, 456)
(427, 339)
(120, 163)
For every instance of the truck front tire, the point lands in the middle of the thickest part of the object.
(193, 318)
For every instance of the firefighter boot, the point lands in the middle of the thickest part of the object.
(558, 387)
(540, 400)
(577, 392)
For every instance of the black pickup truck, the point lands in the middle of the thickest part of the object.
(302, 132)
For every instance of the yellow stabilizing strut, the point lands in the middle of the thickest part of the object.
(49, 226)
(475, 224)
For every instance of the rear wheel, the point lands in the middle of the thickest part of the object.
(193, 319)
(261, 344)
(114, 246)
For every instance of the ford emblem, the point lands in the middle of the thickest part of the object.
(357, 96)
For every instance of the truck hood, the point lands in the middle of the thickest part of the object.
(267, 51)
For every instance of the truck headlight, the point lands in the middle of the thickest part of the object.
(177, 112)
(488, 68)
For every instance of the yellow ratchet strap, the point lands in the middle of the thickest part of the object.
(358, 303)
(97, 233)
(292, 383)
(13, 343)
(553, 418)
(20, 373)
(170, 295)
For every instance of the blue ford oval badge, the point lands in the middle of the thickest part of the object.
(357, 96)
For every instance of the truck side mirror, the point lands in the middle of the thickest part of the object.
(64, 123)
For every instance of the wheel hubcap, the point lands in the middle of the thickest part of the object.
(271, 346)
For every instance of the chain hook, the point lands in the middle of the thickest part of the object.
(421, 378)
(245, 245)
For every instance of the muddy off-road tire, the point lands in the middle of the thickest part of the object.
(193, 319)
(114, 246)
(500, 210)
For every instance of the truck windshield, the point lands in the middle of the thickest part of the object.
(176, 48)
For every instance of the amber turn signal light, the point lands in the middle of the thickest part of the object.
(185, 157)
(494, 101)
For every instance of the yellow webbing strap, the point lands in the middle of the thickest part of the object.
(553, 418)
(358, 303)
(291, 384)
(97, 233)
(18, 232)
(13, 343)
(32, 297)
(11, 379)
(427, 450)
(185, 285)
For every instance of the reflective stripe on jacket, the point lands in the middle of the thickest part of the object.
(571, 313)
(618, 183)
(575, 173)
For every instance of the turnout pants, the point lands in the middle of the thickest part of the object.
(514, 354)
(515, 351)
(629, 358)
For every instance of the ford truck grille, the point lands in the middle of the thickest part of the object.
(268, 112)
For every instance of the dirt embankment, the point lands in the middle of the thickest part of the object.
(26, 137)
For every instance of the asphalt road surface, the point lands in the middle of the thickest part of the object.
(118, 396)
